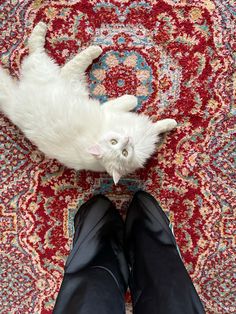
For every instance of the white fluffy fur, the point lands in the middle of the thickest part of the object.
(51, 105)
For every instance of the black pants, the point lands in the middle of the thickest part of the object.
(88, 292)
(159, 282)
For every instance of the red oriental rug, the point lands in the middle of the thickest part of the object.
(177, 57)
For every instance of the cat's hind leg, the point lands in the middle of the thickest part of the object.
(124, 103)
(76, 67)
(37, 38)
(38, 65)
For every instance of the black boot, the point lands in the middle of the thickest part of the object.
(96, 271)
(159, 281)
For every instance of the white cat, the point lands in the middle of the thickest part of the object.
(51, 105)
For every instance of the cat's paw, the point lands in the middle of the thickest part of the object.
(40, 29)
(165, 125)
(129, 102)
(170, 124)
(37, 37)
(94, 51)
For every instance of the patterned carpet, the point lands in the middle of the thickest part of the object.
(177, 57)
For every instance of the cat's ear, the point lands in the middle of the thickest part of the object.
(95, 150)
(116, 176)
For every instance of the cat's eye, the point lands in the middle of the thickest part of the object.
(113, 142)
(125, 152)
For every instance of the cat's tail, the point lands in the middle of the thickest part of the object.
(7, 89)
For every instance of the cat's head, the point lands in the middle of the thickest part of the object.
(116, 153)
(122, 152)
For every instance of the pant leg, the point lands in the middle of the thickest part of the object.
(159, 282)
(90, 291)
(96, 272)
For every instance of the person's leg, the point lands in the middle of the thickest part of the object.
(159, 281)
(96, 272)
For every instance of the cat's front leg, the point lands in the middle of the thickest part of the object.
(165, 125)
(124, 103)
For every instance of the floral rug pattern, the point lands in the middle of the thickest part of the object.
(177, 58)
